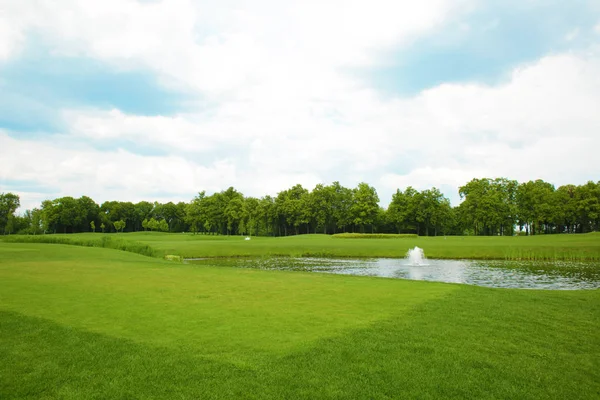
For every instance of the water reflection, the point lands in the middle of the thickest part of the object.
(502, 274)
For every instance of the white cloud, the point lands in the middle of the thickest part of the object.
(213, 48)
(79, 170)
(282, 113)
(541, 124)
(11, 38)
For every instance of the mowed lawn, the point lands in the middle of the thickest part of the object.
(542, 247)
(79, 322)
(579, 246)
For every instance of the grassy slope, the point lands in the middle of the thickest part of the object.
(543, 247)
(98, 323)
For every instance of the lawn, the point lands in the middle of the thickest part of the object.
(82, 322)
(542, 247)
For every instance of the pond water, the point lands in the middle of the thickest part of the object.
(502, 274)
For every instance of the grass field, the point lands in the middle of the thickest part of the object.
(95, 323)
(542, 247)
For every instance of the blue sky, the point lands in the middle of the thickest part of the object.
(485, 47)
(158, 100)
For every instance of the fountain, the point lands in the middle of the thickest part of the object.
(416, 257)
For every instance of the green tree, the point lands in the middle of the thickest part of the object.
(31, 222)
(119, 225)
(143, 211)
(289, 205)
(341, 205)
(489, 205)
(365, 206)
(535, 206)
(9, 203)
(267, 214)
(565, 212)
(163, 225)
(93, 226)
(402, 210)
(322, 202)
(251, 215)
(87, 211)
(588, 206)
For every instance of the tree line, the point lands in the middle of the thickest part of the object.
(496, 206)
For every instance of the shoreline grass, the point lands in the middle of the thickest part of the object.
(104, 241)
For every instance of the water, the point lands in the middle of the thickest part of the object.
(500, 274)
(416, 257)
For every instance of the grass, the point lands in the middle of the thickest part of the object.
(104, 241)
(84, 322)
(375, 236)
(578, 247)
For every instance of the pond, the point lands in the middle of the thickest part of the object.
(558, 275)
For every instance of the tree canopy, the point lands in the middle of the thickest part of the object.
(497, 206)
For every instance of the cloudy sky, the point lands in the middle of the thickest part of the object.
(157, 100)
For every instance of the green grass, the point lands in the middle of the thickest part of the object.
(80, 322)
(117, 242)
(375, 236)
(584, 247)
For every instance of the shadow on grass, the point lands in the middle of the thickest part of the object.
(473, 344)
(42, 359)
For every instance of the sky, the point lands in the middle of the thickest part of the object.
(158, 100)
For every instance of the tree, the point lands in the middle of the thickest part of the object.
(31, 222)
(267, 214)
(432, 210)
(402, 211)
(9, 202)
(153, 224)
(143, 211)
(565, 212)
(341, 204)
(489, 205)
(289, 208)
(172, 213)
(119, 225)
(322, 202)
(535, 206)
(250, 216)
(588, 206)
(365, 206)
(163, 226)
(87, 212)
(93, 226)
(102, 226)
(112, 211)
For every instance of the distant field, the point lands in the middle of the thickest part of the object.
(79, 322)
(542, 247)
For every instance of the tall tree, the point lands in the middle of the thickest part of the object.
(402, 210)
(535, 206)
(489, 205)
(588, 206)
(341, 204)
(365, 206)
(9, 203)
